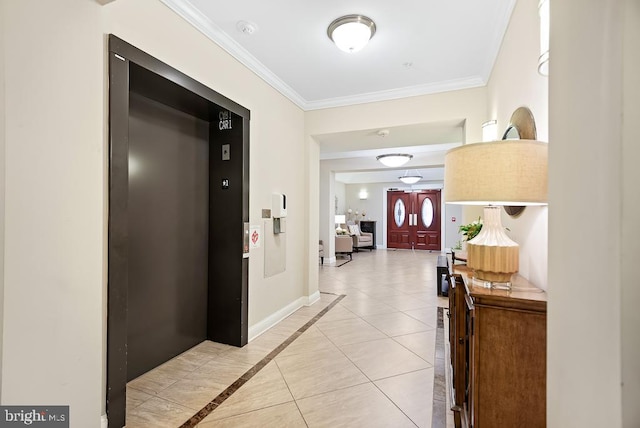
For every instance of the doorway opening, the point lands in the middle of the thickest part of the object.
(178, 204)
(413, 220)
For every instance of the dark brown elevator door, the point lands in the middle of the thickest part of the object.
(168, 233)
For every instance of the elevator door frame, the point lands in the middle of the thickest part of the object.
(228, 305)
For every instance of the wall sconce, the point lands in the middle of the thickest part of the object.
(543, 61)
(490, 130)
(363, 194)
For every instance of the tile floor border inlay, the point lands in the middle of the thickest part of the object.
(217, 401)
(439, 418)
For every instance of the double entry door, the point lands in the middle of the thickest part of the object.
(413, 219)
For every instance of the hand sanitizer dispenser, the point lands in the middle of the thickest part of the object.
(278, 205)
(279, 212)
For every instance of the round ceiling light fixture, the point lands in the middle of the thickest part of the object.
(351, 33)
(394, 159)
(408, 178)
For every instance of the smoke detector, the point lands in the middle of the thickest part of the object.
(246, 28)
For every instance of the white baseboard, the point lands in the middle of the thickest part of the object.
(329, 260)
(313, 298)
(104, 422)
(273, 319)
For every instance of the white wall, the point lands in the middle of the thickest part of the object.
(56, 151)
(370, 206)
(339, 190)
(586, 215)
(630, 293)
(516, 82)
(451, 234)
(326, 225)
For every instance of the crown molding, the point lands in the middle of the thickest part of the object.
(496, 42)
(393, 94)
(203, 24)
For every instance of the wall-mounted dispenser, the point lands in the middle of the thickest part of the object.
(278, 205)
(279, 212)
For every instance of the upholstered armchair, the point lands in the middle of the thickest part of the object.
(360, 239)
(344, 245)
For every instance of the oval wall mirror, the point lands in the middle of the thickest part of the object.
(522, 126)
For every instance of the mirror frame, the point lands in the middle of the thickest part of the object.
(523, 123)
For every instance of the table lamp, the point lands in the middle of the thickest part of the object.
(493, 174)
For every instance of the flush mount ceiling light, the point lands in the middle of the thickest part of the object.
(394, 159)
(409, 178)
(352, 32)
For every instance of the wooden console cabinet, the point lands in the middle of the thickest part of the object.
(498, 354)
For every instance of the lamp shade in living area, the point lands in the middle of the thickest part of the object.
(510, 172)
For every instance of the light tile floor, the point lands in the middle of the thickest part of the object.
(368, 362)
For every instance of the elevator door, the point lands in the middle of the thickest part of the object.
(168, 233)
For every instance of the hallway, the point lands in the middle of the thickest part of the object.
(368, 353)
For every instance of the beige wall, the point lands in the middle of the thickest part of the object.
(312, 181)
(54, 242)
(587, 182)
(2, 181)
(515, 82)
(469, 104)
(630, 293)
(56, 150)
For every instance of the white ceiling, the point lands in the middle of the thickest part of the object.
(420, 47)
(352, 155)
